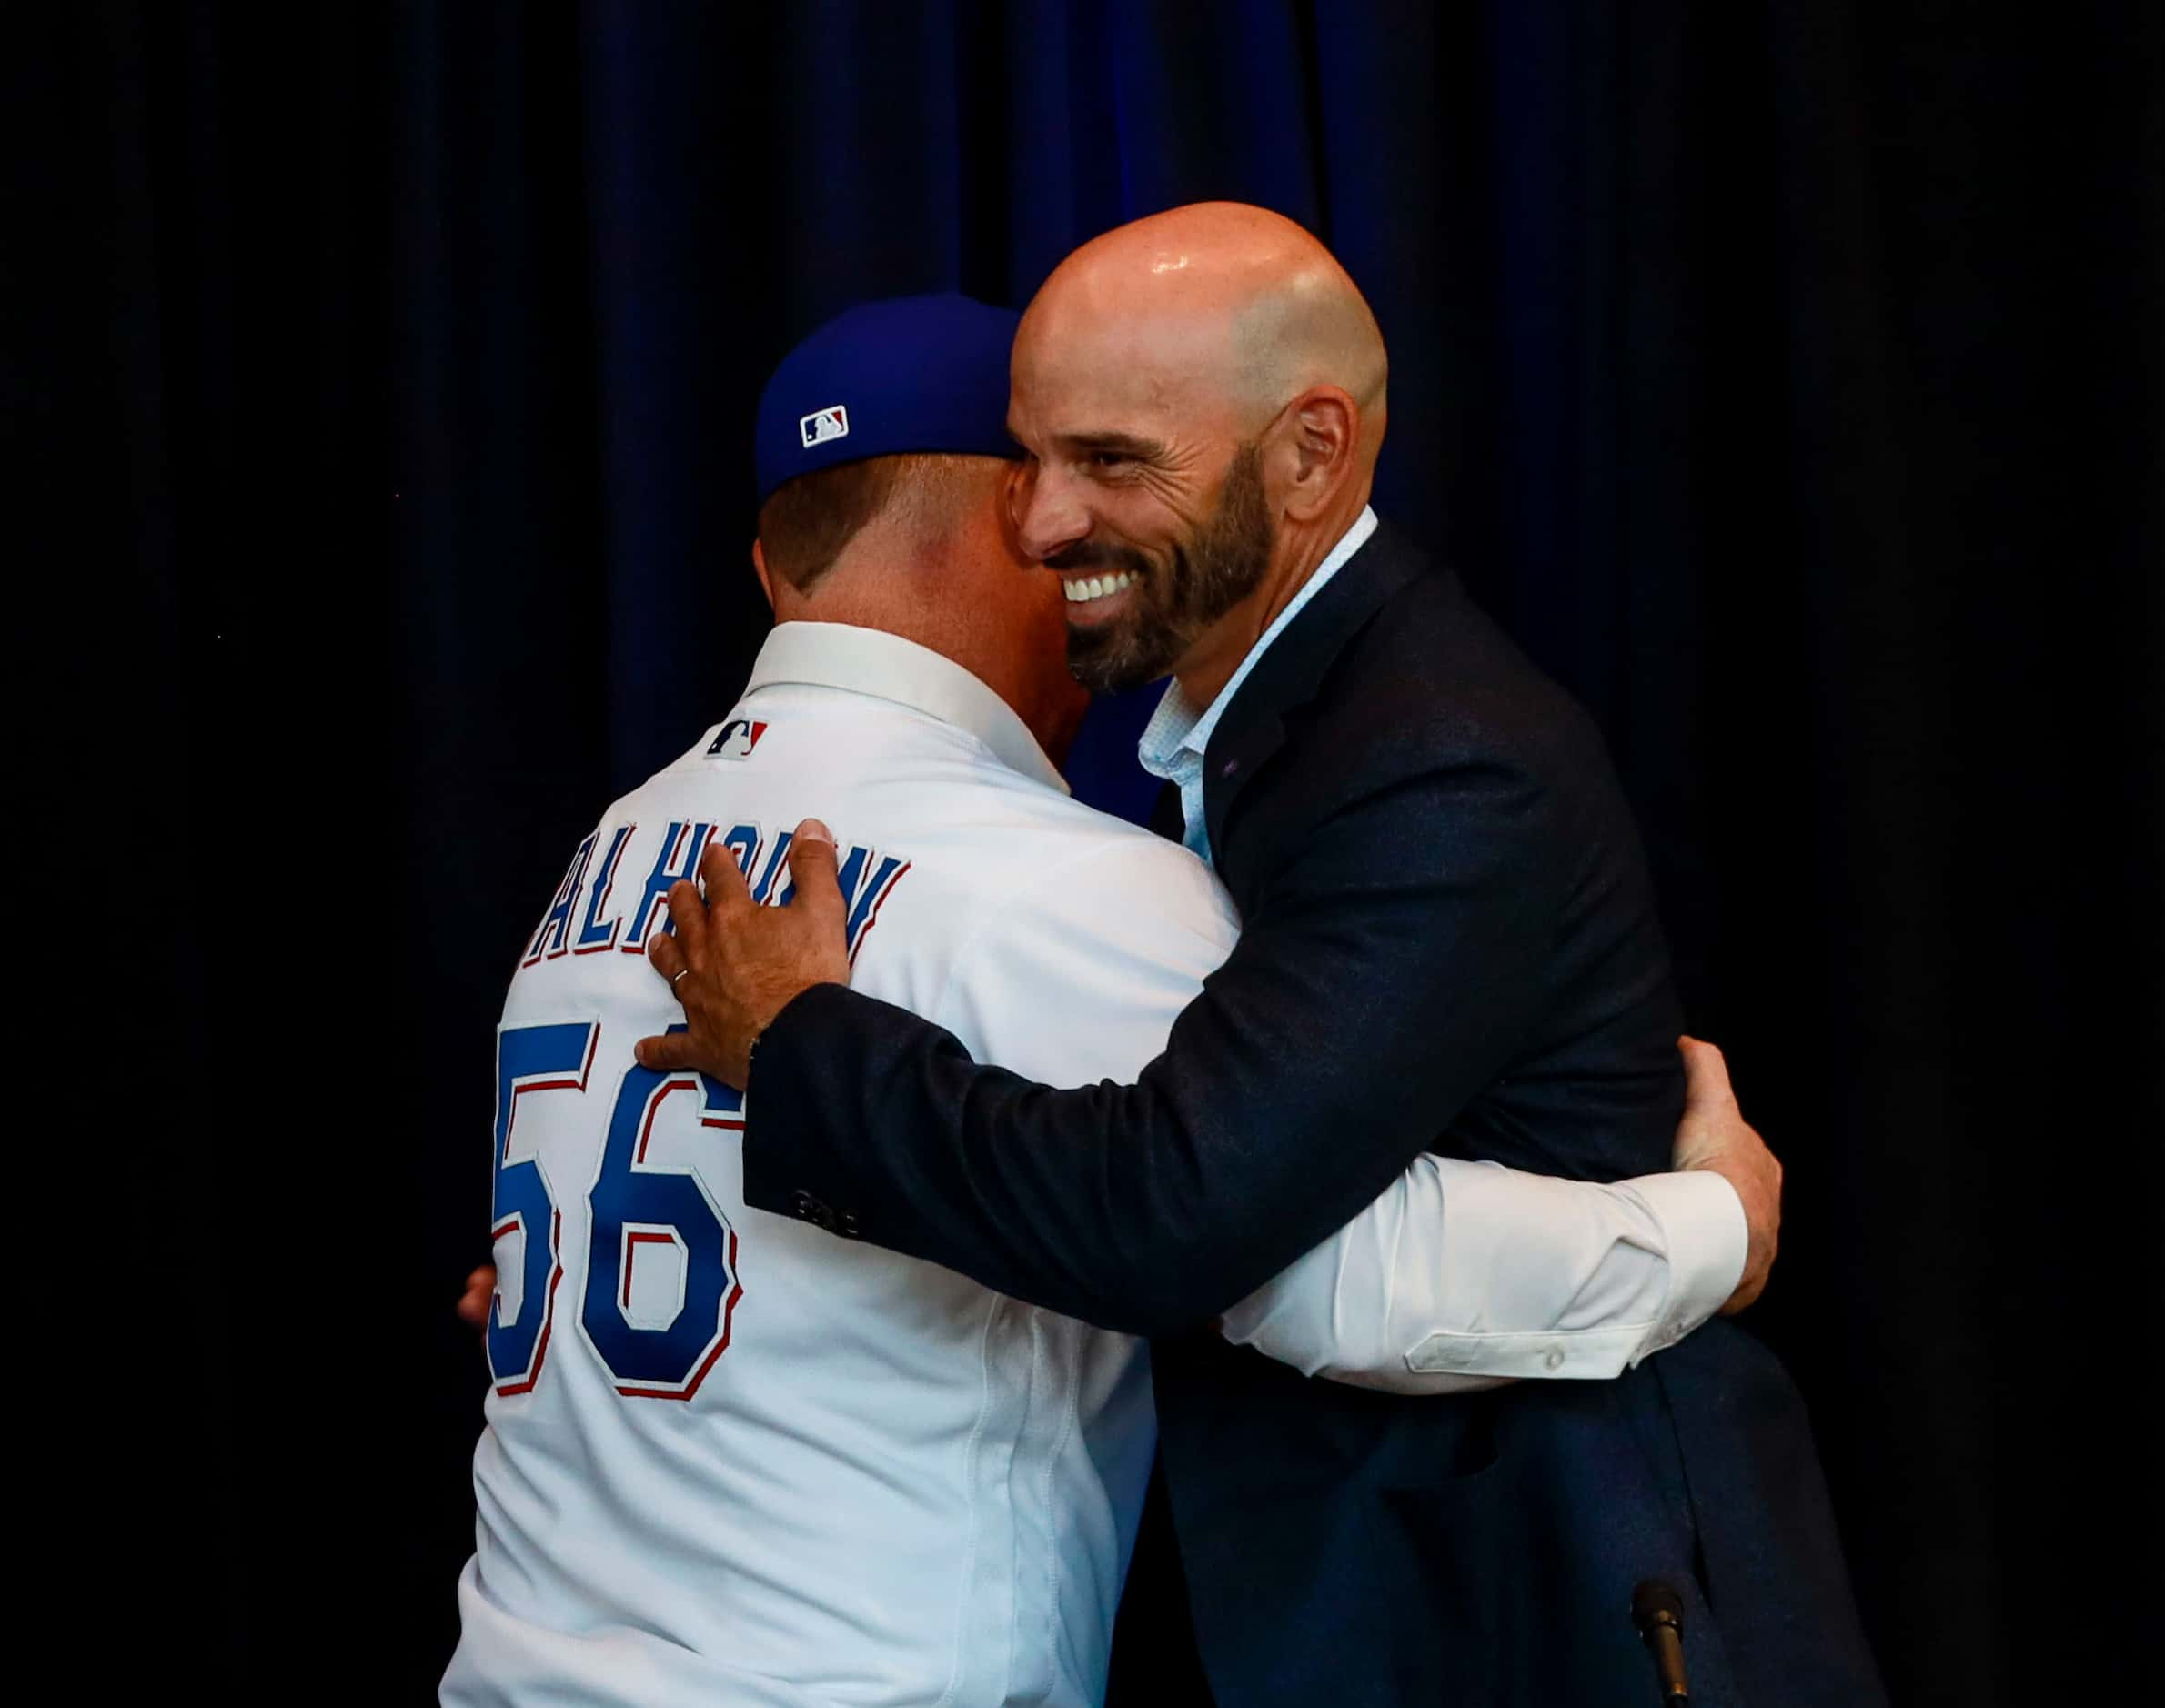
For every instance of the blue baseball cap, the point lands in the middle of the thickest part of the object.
(906, 373)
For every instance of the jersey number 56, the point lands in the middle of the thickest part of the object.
(632, 1205)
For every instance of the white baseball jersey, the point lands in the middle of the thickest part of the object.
(731, 1458)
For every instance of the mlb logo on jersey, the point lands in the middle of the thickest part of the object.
(739, 737)
(821, 425)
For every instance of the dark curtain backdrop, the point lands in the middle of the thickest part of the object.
(1786, 377)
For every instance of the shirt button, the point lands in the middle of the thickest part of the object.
(1553, 1359)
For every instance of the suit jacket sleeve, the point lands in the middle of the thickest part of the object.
(1381, 979)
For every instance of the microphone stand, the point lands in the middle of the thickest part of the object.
(1658, 1613)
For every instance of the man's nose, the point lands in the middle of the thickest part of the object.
(1049, 514)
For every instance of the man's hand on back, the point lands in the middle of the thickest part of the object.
(735, 964)
(1715, 1136)
(481, 1292)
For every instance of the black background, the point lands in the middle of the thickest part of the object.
(1786, 377)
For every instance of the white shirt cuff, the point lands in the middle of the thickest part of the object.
(1703, 1218)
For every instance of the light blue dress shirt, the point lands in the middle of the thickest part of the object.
(1175, 738)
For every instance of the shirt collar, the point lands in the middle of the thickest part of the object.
(874, 662)
(1175, 728)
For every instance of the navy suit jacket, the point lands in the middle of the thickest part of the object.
(1448, 944)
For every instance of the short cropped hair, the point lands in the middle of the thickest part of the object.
(806, 522)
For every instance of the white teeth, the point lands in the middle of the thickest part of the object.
(1096, 586)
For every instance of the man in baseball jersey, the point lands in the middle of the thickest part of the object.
(731, 1460)
(1449, 944)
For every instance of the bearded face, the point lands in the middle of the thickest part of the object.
(1179, 591)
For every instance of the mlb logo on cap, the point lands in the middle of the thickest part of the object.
(924, 374)
(821, 425)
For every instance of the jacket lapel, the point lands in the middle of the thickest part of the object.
(1289, 675)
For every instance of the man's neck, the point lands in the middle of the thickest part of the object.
(1217, 654)
(1050, 710)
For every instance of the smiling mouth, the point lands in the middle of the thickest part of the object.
(1088, 589)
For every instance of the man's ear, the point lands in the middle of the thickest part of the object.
(759, 567)
(1321, 430)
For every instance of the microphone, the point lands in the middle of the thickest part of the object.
(1659, 1612)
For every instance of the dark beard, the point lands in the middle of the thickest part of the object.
(1207, 574)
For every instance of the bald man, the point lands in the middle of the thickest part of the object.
(1449, 945)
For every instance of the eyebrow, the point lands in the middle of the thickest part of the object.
(1118, 444)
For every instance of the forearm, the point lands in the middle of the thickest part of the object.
(1462, 1273)
(1090, 1201)
(1321, 1058)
